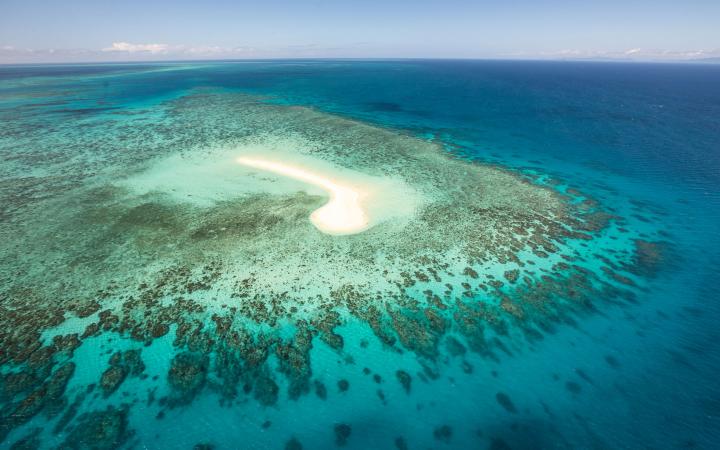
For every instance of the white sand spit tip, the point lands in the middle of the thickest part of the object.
(344, 213)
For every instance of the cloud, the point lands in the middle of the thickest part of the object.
(10, 54)
(126, 51)
(137, 48)
(633, 54)
(178, 50)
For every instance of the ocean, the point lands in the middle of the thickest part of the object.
(552, 288)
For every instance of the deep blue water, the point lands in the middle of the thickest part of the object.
(648, 132)
(644, 139)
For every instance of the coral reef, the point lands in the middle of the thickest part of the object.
(225, 268)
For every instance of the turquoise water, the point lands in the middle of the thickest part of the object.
(118, 212)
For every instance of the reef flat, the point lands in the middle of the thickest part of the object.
(135, 240)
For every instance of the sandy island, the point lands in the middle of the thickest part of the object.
(356, 201)
(344, 213)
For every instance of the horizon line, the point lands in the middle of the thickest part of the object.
(709, 61)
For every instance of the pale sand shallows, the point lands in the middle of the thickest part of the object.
(357, 202)
(344, 213)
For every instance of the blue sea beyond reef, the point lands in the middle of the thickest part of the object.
(550, 286)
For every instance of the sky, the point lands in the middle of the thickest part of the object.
(130, 30)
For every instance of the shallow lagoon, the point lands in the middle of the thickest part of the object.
(531, 295)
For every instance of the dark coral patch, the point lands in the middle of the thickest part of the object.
(102, 430)
(342, 434)
(573, 387)
(405, 380)
(293, 444)
(504, 401)
(187, 375)
(443, 433)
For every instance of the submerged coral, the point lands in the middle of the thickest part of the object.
(159, 237)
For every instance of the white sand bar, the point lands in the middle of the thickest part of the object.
(342, 214)
(357, 201)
